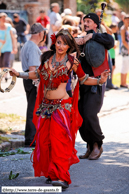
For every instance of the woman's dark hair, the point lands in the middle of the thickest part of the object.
(68, 39)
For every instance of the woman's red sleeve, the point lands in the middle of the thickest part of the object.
(80, 73)
(40, 67)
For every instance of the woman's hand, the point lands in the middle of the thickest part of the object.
(14, 51)
(13, 72)
(104, 76)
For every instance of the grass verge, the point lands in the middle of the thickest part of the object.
(11, 122)
(117, 79)
(3, 139)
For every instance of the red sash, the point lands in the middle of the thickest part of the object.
(104, 66)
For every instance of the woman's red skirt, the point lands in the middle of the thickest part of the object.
(55, 138)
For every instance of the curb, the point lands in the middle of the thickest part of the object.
(15, 142)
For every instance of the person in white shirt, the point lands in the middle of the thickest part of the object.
(115, 20)
(54, 16)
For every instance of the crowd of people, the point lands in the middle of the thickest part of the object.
(55, 56)
(53, 23)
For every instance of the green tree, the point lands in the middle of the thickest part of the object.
(87, 6)
(124, 4)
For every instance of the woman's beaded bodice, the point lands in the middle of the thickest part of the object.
(53, 78)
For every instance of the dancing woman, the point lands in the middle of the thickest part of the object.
(56, 115)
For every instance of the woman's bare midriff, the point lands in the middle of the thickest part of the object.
(59, 93)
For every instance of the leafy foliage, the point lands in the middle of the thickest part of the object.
(19, 151)
(87, 6)
(3, 154)
(124, 4)
(13, 176)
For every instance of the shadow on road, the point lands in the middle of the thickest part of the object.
(107, 175)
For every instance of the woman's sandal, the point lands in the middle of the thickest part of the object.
(48, 181)
(63, 184)
(122, 86)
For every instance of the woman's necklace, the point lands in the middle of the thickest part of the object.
(59, 63)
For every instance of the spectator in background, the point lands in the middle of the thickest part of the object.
(120, 24)
(68, 27)
(54, 16)
(125, 51)
(30, 57)
(58, 25)
(103, 26)
(113, 27)
(67, 11)
(7, 43)
(83, 33)
(80, 15)
(68, 20)
(12, 56)
(76, 21)
(115, 20)
(44, 20)
(22, 28)
(75, 31)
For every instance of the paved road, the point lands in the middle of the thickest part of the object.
(108, 175)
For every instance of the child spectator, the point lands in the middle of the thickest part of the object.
(113, 27)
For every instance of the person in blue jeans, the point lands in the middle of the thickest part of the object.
(22, 28)
(7, 43)
(120, 24)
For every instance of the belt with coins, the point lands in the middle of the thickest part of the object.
(47, 107)
(12, 84)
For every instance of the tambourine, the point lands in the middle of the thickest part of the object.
(12, 84)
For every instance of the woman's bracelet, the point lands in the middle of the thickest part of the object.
(24, 75)
(98, 80)
(37, 74)
(84, 79)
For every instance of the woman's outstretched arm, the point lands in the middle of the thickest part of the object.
(25, 75)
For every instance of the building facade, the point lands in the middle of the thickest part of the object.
(33, 6)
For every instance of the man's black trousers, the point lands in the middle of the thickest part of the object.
(89, 106)
(31, 92)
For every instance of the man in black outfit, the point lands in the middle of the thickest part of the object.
(22, 28)
(91, 101)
